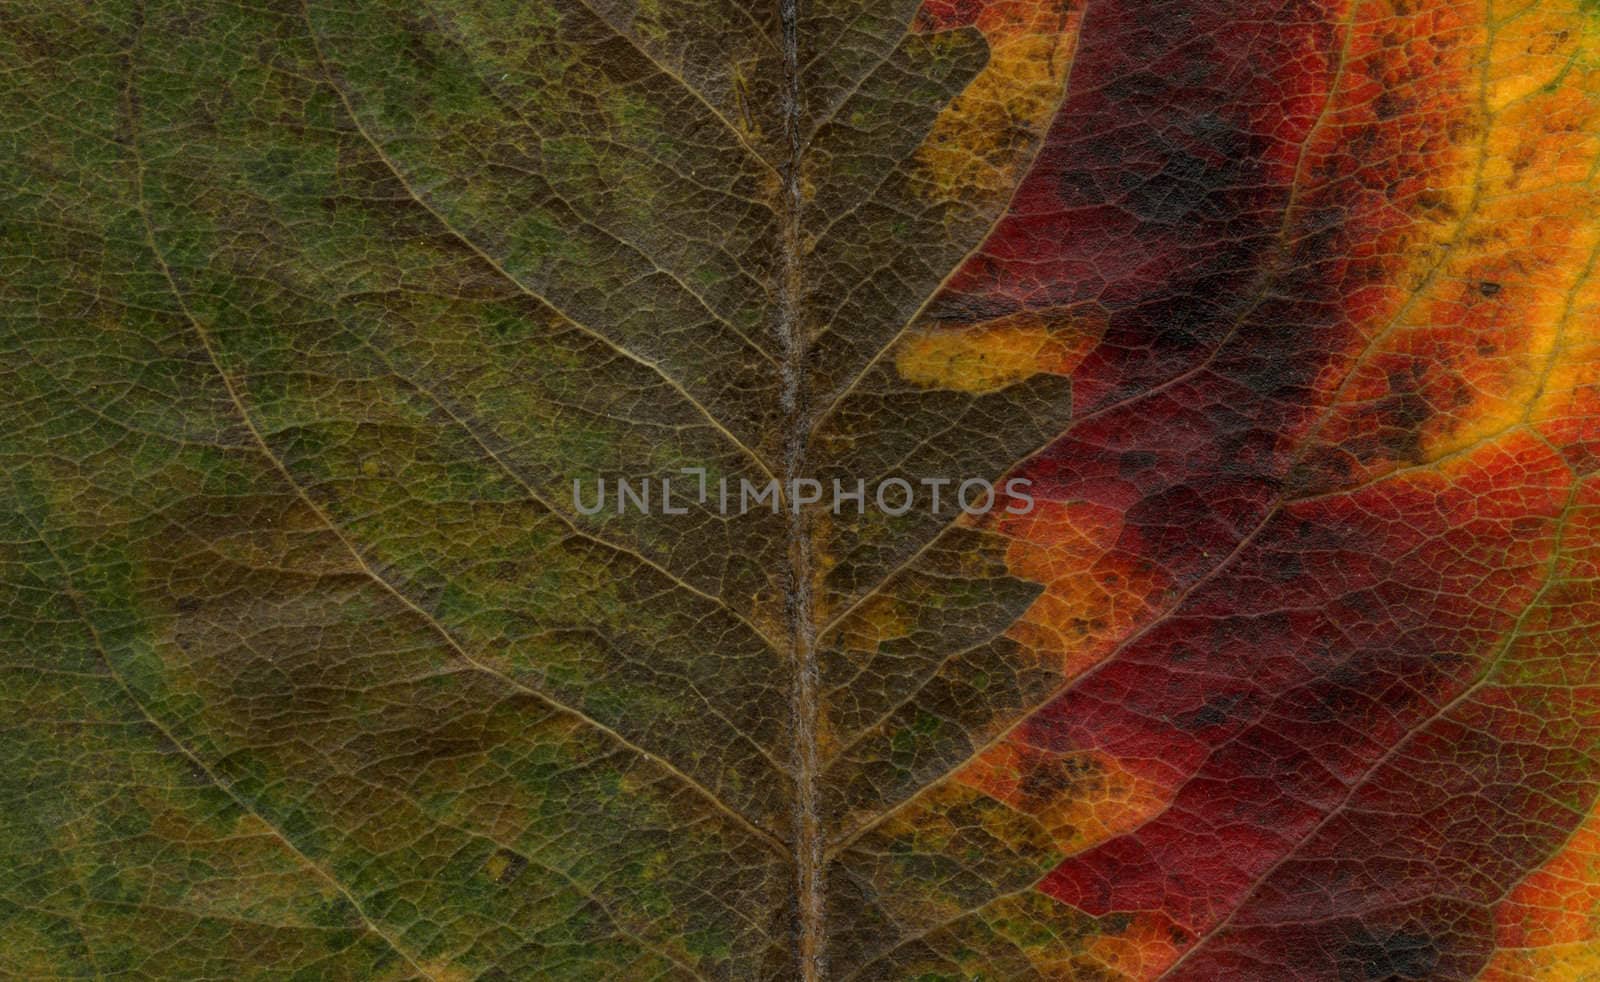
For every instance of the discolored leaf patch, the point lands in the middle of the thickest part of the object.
(1271, 323)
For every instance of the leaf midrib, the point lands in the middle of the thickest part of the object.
(808, 835)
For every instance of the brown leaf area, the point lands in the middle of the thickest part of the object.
(320, 314)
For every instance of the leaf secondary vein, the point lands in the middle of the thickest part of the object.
(615, 236)
(389, 164)
(226, 788)
(1483, 679)
(766, 837)
(692, 90)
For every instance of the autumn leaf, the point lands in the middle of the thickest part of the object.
(316, 313)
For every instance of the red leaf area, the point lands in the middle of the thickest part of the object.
(1355, 780)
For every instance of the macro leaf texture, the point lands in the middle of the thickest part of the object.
(316, 311)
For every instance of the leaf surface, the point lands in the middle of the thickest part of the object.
(316, 667)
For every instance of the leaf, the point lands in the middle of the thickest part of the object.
(315, 312)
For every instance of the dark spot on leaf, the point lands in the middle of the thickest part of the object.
(1134, 461)
(1215, 712)
(1048, 778)
(506, 865)
(1401, 955)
